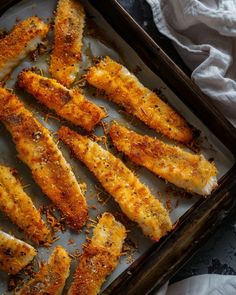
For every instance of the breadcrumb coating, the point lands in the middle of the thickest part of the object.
(18, 206)
(189, 171)
(23, 39)
(49, 169)
(68, 33)
(101, 256)
(51, 277)
(69, 104)
(134, 198)
(14, 254)
(123, 88)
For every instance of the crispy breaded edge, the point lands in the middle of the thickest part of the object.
(23, 39)
(123, 88)
(18, 206)
(134, 198)
(51, 277)
(71, 105)
(50, 170)
(100, 256)
(67, 49)
(14, 254)
(188, 171)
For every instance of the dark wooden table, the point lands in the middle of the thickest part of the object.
(218, 255)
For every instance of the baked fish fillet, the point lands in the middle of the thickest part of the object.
(37, 149)
(101, 256)
(122, 87)
(68, 33)
(134, 198)
(18, 206)
(191, 172)
(51, 277)
(69, 104)
(23, 39)
(14, 254)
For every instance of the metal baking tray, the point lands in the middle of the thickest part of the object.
(154, 263)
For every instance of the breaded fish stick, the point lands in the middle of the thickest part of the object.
(69, 104)
(134, 198)
(122, 87)
(37, 149)
(18, 206)
(51, 277)
(68, 33)
(23, 39)
(191, 172)
(101, 256)
(14, 254)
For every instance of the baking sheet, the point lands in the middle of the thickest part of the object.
(107, 42)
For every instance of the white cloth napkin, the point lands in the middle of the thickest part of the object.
(203, 32)
(202, 285)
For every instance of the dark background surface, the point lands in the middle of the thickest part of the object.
(218, 255)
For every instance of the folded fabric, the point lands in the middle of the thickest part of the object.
(203, 32)
(202, 285)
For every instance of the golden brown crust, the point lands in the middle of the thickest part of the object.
(18, 206)
(100, 257)
(67, 51)
(134, 198)
(186, 170)
(23, 39)
(94, 266)
(69, 104)
(50, 170)
(123, 88)
(51, 277)
(14, 254)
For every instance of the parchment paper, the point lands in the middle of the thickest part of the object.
(95, 45)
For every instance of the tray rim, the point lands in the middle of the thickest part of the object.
(139, 277)
(132, 280)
